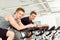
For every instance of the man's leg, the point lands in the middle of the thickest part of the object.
(17, 34)
(10, 35)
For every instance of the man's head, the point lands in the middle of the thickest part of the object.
(32, 15)
(19, 13)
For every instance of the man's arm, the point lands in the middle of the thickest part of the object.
(15, 25)
(43, 25)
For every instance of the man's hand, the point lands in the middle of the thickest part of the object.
(44, 25)
(32, 25)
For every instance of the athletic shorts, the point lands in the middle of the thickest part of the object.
(3, 33)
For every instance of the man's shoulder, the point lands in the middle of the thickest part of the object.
(25, 18)
(3, 23)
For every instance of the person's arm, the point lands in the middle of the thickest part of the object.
(15, 25)
(43, 25)
(26, 25)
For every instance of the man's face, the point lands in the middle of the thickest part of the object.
(19, 14)
(32, 16)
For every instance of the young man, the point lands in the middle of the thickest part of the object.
(15, 22)
(28, 20)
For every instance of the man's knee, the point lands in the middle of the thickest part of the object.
(10, 33)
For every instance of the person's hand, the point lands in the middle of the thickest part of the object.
(39, 26)
(32, 25)
(44, 25)
(8, 16)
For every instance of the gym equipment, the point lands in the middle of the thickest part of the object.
(44, 32)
